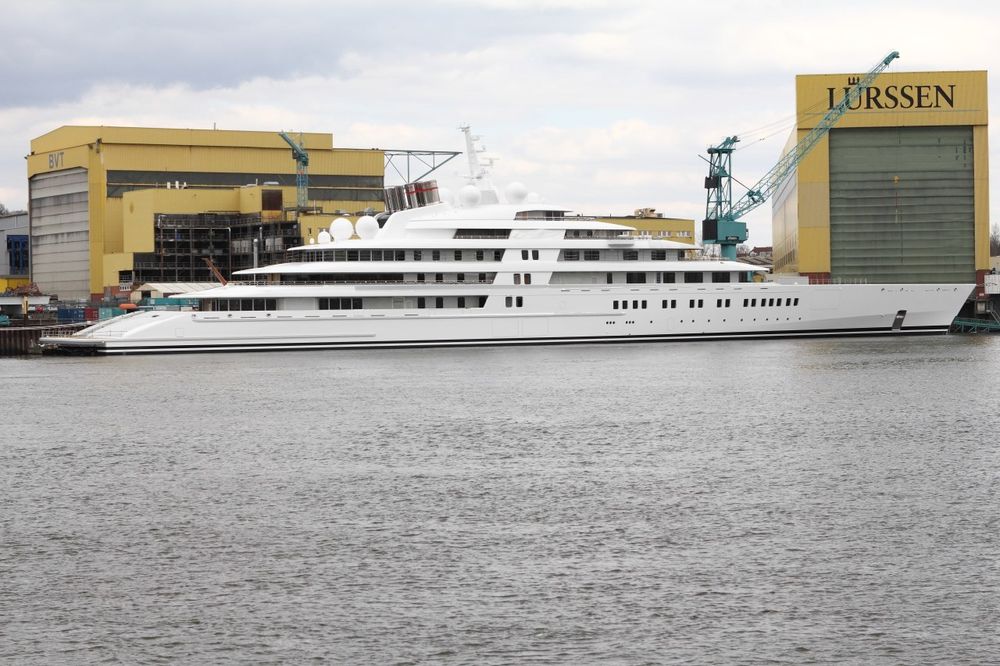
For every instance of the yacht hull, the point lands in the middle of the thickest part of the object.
(550, 315)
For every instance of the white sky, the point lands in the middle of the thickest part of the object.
(604, 106)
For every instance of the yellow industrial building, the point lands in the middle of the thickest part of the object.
(100, 198)
(898, 191)
(648, 222)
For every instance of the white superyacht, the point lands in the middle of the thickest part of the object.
(482, 271)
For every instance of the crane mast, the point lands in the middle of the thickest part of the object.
(721, 224)
(301, 170)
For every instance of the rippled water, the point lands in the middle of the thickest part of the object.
(790, 502)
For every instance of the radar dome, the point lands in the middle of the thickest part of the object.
(341, 229)
(515, 192)
(366, 227)
(470, 196)
(324, 237)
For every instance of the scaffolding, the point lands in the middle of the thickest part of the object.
(231, 241)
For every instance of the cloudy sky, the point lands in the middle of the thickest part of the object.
(604, 106)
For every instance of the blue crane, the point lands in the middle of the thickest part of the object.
(301, 170)
(721, 224)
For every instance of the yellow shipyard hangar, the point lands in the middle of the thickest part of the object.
(101, 198)
(898, 191)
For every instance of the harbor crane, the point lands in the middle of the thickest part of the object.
(301, 170)
(721, 224)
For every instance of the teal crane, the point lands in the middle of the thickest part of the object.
(301, 170)
(721, 224)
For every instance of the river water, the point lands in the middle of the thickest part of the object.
(803, 501)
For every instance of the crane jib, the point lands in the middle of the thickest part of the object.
(721, 223)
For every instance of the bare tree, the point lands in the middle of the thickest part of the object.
(995, 240)
(3, 209)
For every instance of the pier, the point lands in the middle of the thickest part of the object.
(23, 340)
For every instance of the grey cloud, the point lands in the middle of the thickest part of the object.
(54, 51)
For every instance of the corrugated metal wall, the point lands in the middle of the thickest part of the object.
(60, 233)
(901, 204)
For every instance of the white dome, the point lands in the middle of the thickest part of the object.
(515, 192)
(366, 227)
(341, 229)
(470, 196)
(324, 237)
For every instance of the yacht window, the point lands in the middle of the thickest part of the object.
(611, 278)
(796, 302)
(340, 255)
(417, 255)
(458, 255)
(482, 301)
(524, 254)
(753, 302)
(770, 302)
(720, 277)
(614, 305)
(479, 255)
(644, 305)
(664, 305)
(591, 255)
(727, 302)
(520, 301)
(435, 255)
(421, 302)
(635, 278)
(624, 305)
(439, 277)
(461, 301)
(400, 255)
(517, 278)
(420, 277)
(510, 301)
(669, 278)
(744, 302)
(701, 303)
(439, 302)
(658, 255)
(571, 255)
(527, 278)
(497, 255)
(482, 277)
(340, 304)
(352, 255)
(691, 303)
(718, 302)
(630, 255)
(534, 254)
(635, 305)
(377, 255)
(364, 255)
(460, 277)
(693, 277)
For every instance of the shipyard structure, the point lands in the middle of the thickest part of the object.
(111, 207)
(898, 191)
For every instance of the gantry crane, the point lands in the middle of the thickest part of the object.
(301, 170)
(721, 224)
